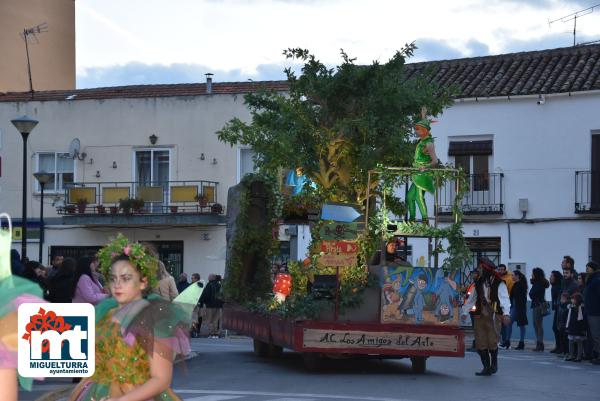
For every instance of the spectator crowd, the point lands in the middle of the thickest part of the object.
(574, 307)
(69, 280)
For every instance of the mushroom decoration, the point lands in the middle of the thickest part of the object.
(282, 286)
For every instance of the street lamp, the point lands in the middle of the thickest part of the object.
(43, 178)
(24, 125)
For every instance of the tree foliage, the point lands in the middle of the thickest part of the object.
(337, 123)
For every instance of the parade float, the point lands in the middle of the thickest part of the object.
(332, 138)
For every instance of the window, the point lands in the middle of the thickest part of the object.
(246, 162)
(474, 158)
(61, 165)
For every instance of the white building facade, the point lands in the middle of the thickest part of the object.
(526, 128)
(155, 142)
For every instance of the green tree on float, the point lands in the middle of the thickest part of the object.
(338, 123)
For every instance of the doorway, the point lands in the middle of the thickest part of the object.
(152, 172)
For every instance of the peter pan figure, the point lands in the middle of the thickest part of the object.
(425, 157)
(419, 301)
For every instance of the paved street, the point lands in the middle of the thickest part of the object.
(226, 369)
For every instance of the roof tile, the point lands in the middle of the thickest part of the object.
(567, 69)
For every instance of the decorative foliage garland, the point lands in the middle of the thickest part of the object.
(257, 241)
(458, 251)
(137, 254)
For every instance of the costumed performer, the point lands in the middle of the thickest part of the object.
(422, 182)
(138, 333)
(14, 291)
(492, 307)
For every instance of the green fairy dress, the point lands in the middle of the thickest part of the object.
(126, 337)
(14, 291)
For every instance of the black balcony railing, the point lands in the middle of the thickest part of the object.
(165, 197)
(483, 197)
(587, 192)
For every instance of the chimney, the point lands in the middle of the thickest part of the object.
(209, 82)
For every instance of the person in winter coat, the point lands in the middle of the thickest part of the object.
(182, 282)
(87, 287)
(556, 282)
(569, 283)
(211, 299)
(576, 328)
(592, 306)
(537, 293)
(166, 287)
(34, 271)
(518, 307)
(60, 286)
(561, 322)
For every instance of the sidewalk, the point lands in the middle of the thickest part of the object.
(529, 344)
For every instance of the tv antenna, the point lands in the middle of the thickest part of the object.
(573, 17)
(31, 34)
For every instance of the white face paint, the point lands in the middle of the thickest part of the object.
(126, 283)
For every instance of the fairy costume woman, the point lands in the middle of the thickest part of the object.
(14, 291)
(137, 336)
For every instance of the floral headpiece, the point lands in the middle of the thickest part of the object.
(138, 256)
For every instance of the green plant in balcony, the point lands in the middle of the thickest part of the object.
(201, 199)
(129, 204)
(81, 204)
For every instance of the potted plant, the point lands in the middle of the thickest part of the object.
(81, 205)
(202, 200)
(130, 204)
(125, 204)
(101, 209)
(114, 209)
(174, 209)
(137, 205)
(216, 208)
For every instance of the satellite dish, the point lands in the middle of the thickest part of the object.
(74, 147)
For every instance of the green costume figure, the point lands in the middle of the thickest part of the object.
(425, 157)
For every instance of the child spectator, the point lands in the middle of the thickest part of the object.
(576, 328)
(561, 323)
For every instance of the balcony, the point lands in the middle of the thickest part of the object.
(587, 192)
(484, 196)
(169, 202)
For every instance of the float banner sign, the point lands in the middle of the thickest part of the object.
(339, 231)
(379, 341)
(338, 253)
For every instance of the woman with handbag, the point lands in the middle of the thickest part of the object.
(537, 294)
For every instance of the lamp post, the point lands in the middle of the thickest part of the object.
(43, 178)
(24, 125)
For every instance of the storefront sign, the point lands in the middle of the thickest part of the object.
(316, 338)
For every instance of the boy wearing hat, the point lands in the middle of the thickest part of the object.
(425, 157)
(490, 299)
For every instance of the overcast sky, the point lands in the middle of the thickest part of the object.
(125, 42)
